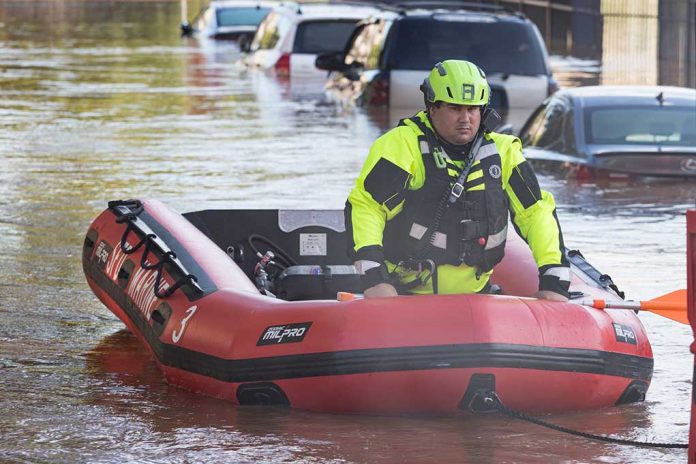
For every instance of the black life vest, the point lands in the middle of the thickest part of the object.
(471, 231)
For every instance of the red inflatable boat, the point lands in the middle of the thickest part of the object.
(188, 288)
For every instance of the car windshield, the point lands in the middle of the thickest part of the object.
(251, 16)
(322, 36)
(641, 125)
(497, 47)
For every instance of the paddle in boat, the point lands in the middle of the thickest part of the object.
(242, 305)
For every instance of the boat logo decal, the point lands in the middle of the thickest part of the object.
(286, 333)
(624, 334)
(141, 290)
(176, 336)
(688, 165)
(116, 262)
(102, 253)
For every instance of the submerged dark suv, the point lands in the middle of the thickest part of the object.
(390, 53)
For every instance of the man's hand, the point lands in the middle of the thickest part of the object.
(549, 295)
(380, 291)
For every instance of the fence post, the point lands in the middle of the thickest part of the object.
(691, 297)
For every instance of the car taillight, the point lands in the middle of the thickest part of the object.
(553, 86)
(584, 172)
(379, 91)
(282, 66)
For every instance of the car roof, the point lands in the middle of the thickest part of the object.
(451, 11)
(310, 11)
(602, 95)
(465, 15)
(222, 4)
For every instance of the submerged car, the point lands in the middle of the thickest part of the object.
(229, 20)
(289, 39)
(613, 131)
(390, 54)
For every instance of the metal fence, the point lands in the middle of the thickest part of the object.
(637, 41)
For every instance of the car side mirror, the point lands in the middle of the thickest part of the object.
(331, 61)
(186, 29)
(353, 72)
(245, 46)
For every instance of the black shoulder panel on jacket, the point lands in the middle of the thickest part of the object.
(385, 180)
(525, 184)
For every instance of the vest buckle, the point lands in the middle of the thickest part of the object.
(439, 158)
(457, 190)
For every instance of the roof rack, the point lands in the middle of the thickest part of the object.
(401, 6)
(446, 4)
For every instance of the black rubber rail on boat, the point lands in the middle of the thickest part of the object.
(488, 401)
(128, 211)
(577, 259)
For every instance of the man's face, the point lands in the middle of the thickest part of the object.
(457, 124)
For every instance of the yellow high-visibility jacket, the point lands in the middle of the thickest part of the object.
(395, 164)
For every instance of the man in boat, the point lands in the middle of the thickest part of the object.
(429, 210)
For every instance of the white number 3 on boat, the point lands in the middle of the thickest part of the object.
(176, 336)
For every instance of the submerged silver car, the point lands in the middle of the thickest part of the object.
(614, 131)
(389, 55)
(290, 37)
(229, 20)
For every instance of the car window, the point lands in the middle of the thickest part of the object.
(641, 125)
(496, 46)
(532, 126)
(269, 32)
(546, 131)
(322, 36)
(568, 136)
(240, 16)
(367, 44)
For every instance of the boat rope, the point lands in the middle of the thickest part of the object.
(133, 209)
(127, 212)
(125, 246)
(488, 401)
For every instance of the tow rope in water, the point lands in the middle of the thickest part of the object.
(491, 402)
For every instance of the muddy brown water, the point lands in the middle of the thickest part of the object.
(103, 100)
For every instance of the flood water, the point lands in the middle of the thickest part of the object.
(102, 100)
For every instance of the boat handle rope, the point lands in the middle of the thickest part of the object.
(124, 240)
(485, 401)
(127, 212)
(189, 278)
(132, 209)
(160, 268)
(144, 263)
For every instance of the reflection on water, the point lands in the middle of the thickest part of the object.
(575, 72)
(103, 101)
(127, 377)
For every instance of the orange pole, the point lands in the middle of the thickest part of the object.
(691, 299)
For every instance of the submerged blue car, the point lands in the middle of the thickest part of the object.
(613, 131)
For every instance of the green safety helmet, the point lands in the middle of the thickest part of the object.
(456, 81)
